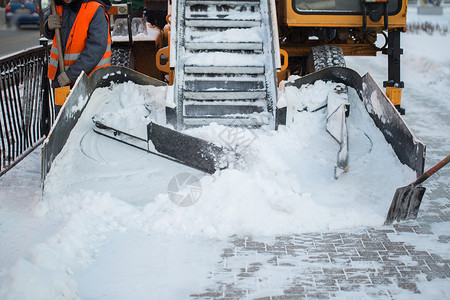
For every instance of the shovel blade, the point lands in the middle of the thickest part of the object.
(405, 204)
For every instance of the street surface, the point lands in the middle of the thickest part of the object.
(16, 39)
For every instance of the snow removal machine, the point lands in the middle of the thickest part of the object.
(225, 61)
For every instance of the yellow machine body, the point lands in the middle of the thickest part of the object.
(291, 14)
(305, 17)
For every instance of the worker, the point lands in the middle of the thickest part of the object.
(85, 39)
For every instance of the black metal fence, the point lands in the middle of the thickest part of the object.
(26, 109)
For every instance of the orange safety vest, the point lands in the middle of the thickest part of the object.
(77, 40)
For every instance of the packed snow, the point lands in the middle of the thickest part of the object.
(140, 33)
(230, 35)
(107, 206)
(285, 185)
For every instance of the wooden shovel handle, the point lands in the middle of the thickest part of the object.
(433, 170)
(58, 42)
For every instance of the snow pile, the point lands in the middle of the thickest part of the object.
(286, 184)
(134, 107)
(308, 97)
(49, 267)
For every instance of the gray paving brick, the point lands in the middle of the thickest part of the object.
(295, 290)
(333, 270)
(207, 295)
(445, 217)
(380, 280)
(319, 258)
(288, 297)
(350, 287)
(403, 228)
(431, 218)
(378, 294)
(254, 267)
(348, 251)
(360, 281)
(253, 245)
(444, 269)
(394, 247)
(285, 239)
(228, 252)
(318, 295)
(373, 245)
(340, 260)
(278, 249)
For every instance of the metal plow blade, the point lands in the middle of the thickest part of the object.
(408, 149)
(174, 145)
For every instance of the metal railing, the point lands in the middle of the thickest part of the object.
(26, 109)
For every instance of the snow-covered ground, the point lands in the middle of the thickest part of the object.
(106, 227)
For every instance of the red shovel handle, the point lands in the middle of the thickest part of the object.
(433, 170)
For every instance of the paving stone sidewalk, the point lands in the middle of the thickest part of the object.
(367, 263)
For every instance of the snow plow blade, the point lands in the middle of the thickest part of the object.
(192, 151)
(408, 149)
(77, 101)
(162, 141)
(174, 145)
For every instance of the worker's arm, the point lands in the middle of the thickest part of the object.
(96, 44)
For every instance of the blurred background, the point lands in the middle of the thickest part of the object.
(20, 24)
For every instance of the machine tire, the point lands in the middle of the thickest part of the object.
(325, 56)
(120, 56)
